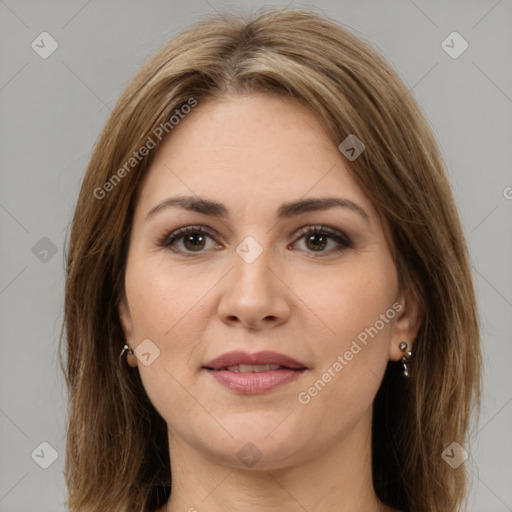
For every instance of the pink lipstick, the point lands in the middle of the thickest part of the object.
(254, 373)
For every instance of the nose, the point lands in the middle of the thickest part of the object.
(254, 294)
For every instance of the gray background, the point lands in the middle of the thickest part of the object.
(52, 110)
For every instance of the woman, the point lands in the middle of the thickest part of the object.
(268, 299)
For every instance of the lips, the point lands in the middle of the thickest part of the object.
(253, 374)
(265, 357)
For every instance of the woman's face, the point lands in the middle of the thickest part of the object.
(257, 279)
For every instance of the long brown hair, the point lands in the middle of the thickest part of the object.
(117, 450)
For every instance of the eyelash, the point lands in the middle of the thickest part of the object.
(342, 239)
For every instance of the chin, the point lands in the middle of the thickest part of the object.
(255, 449)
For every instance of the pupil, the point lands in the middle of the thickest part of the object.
(316, 236)
(191, 238)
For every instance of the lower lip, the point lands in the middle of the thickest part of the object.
(254, 382)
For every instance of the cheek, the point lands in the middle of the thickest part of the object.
(352, 357)
(351, 299)
(353, 338)
(165, 309)
(162, 300)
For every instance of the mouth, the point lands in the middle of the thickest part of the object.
(254, 373)
(245, 362)
(253, 368)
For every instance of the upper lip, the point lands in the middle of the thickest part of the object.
(265, 357)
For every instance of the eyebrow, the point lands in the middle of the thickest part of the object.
(285, 211)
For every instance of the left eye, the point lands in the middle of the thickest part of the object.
(316, 239)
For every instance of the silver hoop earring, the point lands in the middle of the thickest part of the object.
(126, 348)
(405, 360)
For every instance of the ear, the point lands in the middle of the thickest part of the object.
(126, 323)
(407, 322)
(125, 317)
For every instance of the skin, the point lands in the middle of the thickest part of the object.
(252, 153)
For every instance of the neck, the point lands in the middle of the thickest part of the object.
(338, 478)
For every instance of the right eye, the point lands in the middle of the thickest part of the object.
(192, 238)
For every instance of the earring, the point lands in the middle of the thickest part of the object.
(405, 360)
(126, 348)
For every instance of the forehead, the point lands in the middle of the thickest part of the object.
(247, 149)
